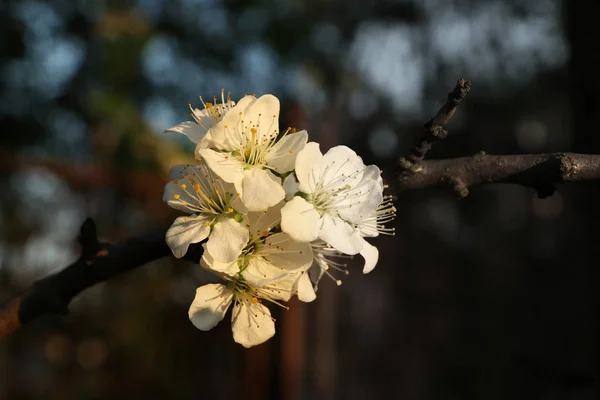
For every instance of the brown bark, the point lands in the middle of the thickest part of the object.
(538, 171)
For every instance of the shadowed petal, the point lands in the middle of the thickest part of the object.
(251, 324)
(210, 305)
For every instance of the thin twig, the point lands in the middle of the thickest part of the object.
(435, 127)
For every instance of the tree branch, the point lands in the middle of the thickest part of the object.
(98, 262)
(538, 171)
(102, 261)
(435, 127)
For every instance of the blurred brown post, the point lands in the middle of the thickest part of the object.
(325, 371)
(256, 372)
(293, 351)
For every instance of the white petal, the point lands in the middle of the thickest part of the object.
(185, 231)
(261, 189)
(283, 155)
(261, 222)
(315, 273)
(260, 272)
(210, 305)
(290, 186)
(286, 253)
(206, 118)
(339, 234)
(280, 257)
(179, 198)
(251, 324)
(300, 220)
(227, 240)
(343, 168)
(223, 164)
(228, 133)
(208, 262)
(246, 101)
(308, 166)
(283, 289)
(306, 292)
(191, 129)
(362, 200)
(205, 143)
(236, 201)
(371, 256)
(178, 171)
(263, 115)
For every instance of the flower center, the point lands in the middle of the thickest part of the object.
(335, 189)
(254, 151)
(244, 292)
(206, 190)
(254, 144)
(252, 249)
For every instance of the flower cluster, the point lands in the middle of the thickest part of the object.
(275, 212)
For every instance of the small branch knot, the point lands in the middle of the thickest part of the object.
(460, 187)
(88, 237)
(407, 167)
(567, 166)
(439, 132)
(460, 91)
(479, 156)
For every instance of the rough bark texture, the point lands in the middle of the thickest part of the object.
(538, 171)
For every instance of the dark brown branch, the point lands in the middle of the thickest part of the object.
(98, 262)
(538, 171)
(435, 127)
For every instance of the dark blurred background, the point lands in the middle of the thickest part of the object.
(490, 297)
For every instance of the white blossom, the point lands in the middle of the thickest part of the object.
(372, 225)
(268, 256)
(277, 214)
(215, 212)
(247, 149)
(251, 321)
(205, 119)
(337, 192)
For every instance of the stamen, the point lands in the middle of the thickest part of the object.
(208, 192)
(325, 257)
